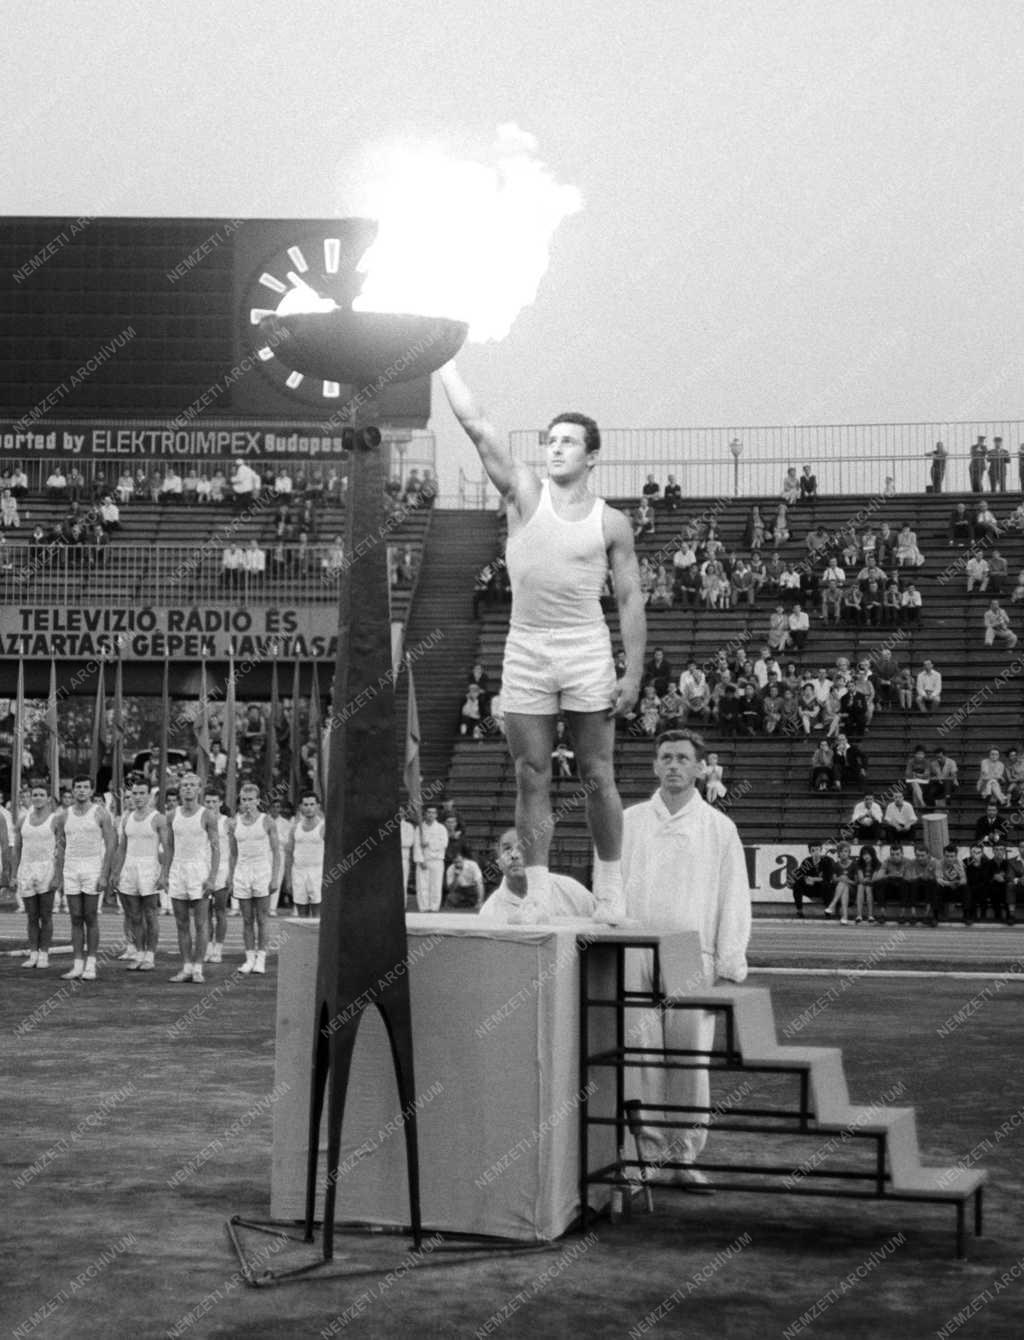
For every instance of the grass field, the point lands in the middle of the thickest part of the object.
(131, 1138)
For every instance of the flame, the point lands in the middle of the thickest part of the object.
(462, 239)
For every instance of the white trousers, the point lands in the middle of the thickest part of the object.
(430, 885)
(689, 1030)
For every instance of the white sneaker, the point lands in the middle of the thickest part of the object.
(250, 962)
(89, 971)
(148, 964)
(610, 907)
(208, 956)
(76, 970)
(260, 965)
(32, 959)
(216, 953)
(126, 953)
(197, 973)
(183, 975)
(43, 961)
(694, 1181)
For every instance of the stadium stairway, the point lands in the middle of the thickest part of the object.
(441, 635)
(749, 1043)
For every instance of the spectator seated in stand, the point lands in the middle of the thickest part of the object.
(997, 627)
(1004, 881)
(172, 488)
(19, 482)
(648, 711)
(998, 573)
(658, 671)
(333, 562)
(866, 820)
(695, 692)
(808, 485)
(928, 688)
(470, 715)
(751, 710)
(813, 878)
(413, 488)
(917, 776)
(673, 495)
(823, 768)
(218, 487)
(245, 485)
(991, 827)
(799, 624)
(651, 489)
(110, 514)
(673, 709)
(254, 563)
(563, 756)
(711, 780)
(756, 531)
(851, 762)
(943, 779)
(986, 527)
(232, 566)
(976, 573)
(57, 484)
(900, 820)
(643, 519)
(978, 879)
(908, 555)
(991, 784)
(951, 879)
(790, 487)
(190, 487)
(283, 483)
(9, 518)
(729, 711)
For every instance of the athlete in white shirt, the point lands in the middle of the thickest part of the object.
(428, 850)
(138, 873)
(219, 897)
(255, 871)
(192, 858)
(35, 845)
(562, 543)
(304, 857)
(85, 848)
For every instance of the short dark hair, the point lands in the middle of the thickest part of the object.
(591, 432)
(677, 736)
(81, 778)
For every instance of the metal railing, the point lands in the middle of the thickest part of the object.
(172, 574)
(845, 458)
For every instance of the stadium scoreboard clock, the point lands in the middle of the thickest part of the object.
(160, 318)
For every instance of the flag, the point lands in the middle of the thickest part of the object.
(230, 744)
(316, 735)
(202, 728)
(412, 747)
(296, 776)
(99, 723)
(117, 755)
(53, 727)
(165, 724)
(270, 754)
(19, 740)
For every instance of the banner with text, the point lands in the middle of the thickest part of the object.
(178, 631)
(161, 440)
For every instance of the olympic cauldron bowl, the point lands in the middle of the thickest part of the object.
(361, 348)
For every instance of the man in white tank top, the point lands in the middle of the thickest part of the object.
(304, 857)
(562, 541)
(219, 899)
(35, 846)
(255, 872)
(284, 829)
(138, 873)
(85, 849)
(191, 860)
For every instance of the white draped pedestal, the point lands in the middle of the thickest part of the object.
(495, 1031)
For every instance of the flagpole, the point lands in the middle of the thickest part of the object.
(99, 723)
(295, 739)
(202, 726)
(19, 740)
(316, 730)
(270, 753)
(52, 722)
(165, 718)
(231, 780)
(117, 754)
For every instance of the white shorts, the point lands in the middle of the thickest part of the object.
(185, 880)
(138, 881)
(34, 879)
(550, 669)
(306, 886)
(252, 881)
(78, 880)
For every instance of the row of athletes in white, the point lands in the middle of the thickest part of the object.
(78, 851)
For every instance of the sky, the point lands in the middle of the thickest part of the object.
(794, 212)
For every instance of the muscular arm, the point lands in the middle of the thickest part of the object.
(275, 851)
(117, 863)
(59, 850)
(506, 476)
(210, 824)
(632, 619)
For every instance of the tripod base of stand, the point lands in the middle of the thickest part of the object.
(373, 1253)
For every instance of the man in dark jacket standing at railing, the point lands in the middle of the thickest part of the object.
(976, 464)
